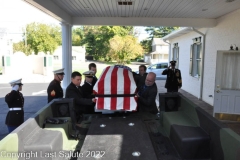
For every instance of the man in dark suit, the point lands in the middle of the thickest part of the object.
(87, 89)
(74, 90)
(141, 76)
(92, 67)
(54, 89)
(174, 79)
(147, 95)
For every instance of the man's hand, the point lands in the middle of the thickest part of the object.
(137, 95)
(94, 100)
(15, 87)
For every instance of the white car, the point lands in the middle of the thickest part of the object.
(158, 68)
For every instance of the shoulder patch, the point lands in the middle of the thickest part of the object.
(53, 93)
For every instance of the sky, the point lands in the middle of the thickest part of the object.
(16, 14)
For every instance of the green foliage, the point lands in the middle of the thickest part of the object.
(43, 38)
(125, 48)
(21, 47)
(77, 36)
(96, 39)
(155, 32)
(147, 45)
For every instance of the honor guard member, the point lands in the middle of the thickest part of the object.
(174, 79)
(54, 89)
(87, 87)
(15, 101)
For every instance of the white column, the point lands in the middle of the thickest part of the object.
(66, 54)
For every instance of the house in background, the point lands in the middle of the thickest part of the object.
(210, 70)
(159, 52)
(78, 53)
(6, 44)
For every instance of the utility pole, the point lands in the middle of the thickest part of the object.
(25, 30)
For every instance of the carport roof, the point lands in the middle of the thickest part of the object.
(183, 13)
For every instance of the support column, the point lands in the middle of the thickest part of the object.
(66, 54)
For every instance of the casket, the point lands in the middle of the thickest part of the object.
(115, 90)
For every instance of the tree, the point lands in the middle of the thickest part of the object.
(155, 32)
(77, 36)
(96, 39)
(125, 48)
(43, 37)
(21, 47)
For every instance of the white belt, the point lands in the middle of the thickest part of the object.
(15, 109)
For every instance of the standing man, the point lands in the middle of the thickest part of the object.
(141, 76)
(54, 89)
(174, 79)
(93, 67)
(147, 95)
(74, 90)
(15, 101)
(87, 89)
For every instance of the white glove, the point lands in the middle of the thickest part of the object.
(15, 87)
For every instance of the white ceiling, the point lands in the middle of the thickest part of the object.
(195, 13)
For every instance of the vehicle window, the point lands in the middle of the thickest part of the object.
(153, 66)
(158, 66)
(164, 65)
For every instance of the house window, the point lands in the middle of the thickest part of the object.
(55, 57)
(175, 54)
(196, 58)
(74, 58)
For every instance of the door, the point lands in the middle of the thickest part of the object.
(227, 83)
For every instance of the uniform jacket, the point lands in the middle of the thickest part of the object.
(15, 99)
(75, 92)
(54, 90)
(146, 101)
(174, 79)
(94, 80)
(87, 89)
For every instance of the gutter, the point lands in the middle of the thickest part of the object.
(169, 58)
(202, 70)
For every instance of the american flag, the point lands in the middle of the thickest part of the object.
(115, 90)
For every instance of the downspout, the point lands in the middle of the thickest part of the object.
(202, 70)
(169, 57)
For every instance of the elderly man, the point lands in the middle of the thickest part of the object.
(54, 89)
(147, 95)
(74, 90)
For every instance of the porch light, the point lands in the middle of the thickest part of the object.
(129, 3)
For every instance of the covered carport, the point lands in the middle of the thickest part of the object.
(183, 13)
(193, 15)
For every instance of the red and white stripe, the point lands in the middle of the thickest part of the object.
(115, 80)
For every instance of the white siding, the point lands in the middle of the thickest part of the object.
(220, 37)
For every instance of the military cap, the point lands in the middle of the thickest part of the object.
(173, 62)
(89, 74)
(16, 81)
(59, 71)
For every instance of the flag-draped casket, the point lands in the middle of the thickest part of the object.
(115, 89)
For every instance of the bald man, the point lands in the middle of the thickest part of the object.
(147, 95)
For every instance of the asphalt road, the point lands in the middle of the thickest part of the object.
(35, 97)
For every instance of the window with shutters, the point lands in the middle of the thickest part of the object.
(175, 54)
(196, 58)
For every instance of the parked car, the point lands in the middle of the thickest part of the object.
(158, 68)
